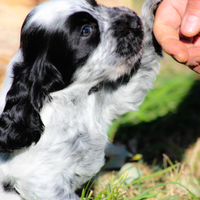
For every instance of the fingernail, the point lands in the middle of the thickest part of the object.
(190, 24)
(177, 59)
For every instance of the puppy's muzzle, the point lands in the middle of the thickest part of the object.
(127, 29)
(125, 17)
(129, 18)
(135, 23)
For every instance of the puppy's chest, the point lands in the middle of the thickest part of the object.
(72, 121)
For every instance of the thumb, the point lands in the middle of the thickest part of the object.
(190, 25)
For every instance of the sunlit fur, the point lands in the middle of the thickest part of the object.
(79, 66)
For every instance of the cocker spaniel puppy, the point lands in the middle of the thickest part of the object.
(79, 66)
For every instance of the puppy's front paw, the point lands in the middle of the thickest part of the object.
(156, 5)
(148, 14)
(149, 9)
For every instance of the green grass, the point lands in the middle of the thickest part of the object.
(117, 188)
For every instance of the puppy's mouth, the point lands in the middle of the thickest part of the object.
(132, 63)
(133, 59)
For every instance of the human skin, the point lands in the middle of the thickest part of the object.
(177, 27)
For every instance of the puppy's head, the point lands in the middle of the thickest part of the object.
(64, 42)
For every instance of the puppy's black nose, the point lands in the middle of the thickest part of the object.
(135, 22)
(126, 18)
(127, 28)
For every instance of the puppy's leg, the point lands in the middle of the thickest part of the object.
(46, 188)
(129, 96)
(148, 13)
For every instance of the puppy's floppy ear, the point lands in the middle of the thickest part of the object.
(20, 122)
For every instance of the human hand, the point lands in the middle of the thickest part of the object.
(177, 30)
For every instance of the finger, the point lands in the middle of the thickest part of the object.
(194, 56)
(176, 49)
(190, 25)
(166, 29)
(196, 40)
(196, 68)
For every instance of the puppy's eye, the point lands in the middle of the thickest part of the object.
(87, 30)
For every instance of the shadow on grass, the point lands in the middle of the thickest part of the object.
(170, 134)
